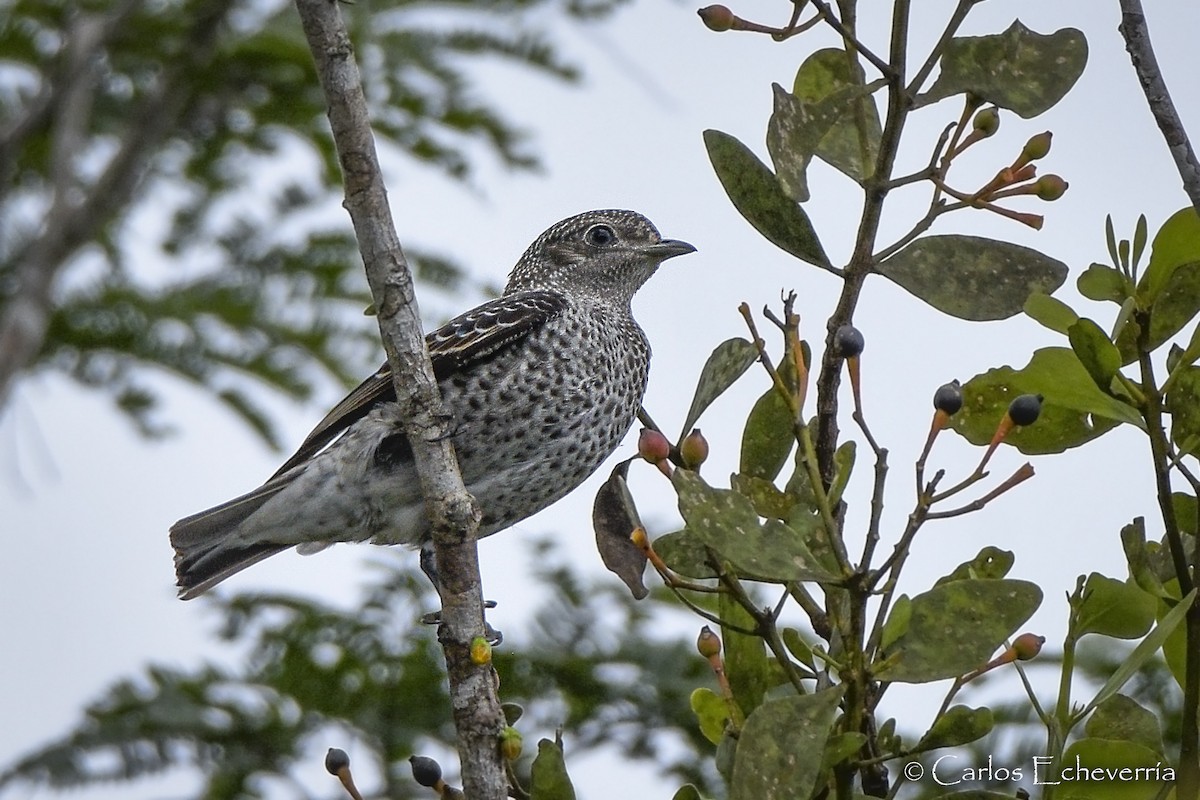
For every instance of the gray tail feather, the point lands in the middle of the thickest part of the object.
(206, 551)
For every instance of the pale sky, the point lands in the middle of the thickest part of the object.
(86, 592)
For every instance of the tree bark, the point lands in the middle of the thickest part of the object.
(1137, 41)
(453, 512)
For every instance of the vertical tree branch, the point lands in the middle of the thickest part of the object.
(453, 512)
(1136, 33)
(1137, 41)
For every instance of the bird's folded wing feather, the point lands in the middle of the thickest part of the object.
(462, 343)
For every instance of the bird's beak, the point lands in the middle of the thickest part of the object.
(669, 248)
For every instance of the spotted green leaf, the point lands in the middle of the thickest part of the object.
(1145, 650)
(780, 750)
(1175, 304)
(759, 197)
(955, 627)
(1119, 609)
(728, 361)
(1101, 282)
(1103, 754)
(1120, 718)
(991, 563)
(1096, 352)
(746, 663)
(1050, 312)
(1183, 401)
(1021, 70)
(1075, 411)
(959, 725)
(829, 114)
(684, 552)
(768, 437)
(1176, 243)
(727, 522)
(971, 277)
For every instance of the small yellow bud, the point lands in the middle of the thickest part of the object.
(1037, 146)
(1051, 187)
(694, 449)
(708, 644)
(511, 743)
(481, 651)
(986, 121)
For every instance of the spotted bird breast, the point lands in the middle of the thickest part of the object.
(536, 421)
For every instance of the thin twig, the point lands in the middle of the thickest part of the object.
(827, 14)
(956, 19)
(1023, 473)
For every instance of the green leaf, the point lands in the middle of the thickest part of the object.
(758, 196)
(780, 750)
(688, 792)
(843, 463)
(746, 663)
(729, 360)
(1174, 306)
(1144, 651)
(971, 277)
(841, 747)
(1183, 403)
(1121, 718)
(955, 627)
(1117, 762)
(711, 711)
(1176, 243)
(1133, 541)
(727, 522)
(1050, 312)
(768, 438)
(1074, 410)
(1023, 71)
(1114, 608)
(549, 779)
(799, 648)
(684, 552)
(991, 563)
(959, 725)
(1139, 240)
(897, 622)
(1096, 352)
(1101, 282)
(830, 86)
(767, 499)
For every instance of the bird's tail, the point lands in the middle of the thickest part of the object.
(207, 550)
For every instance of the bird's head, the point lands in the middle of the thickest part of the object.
(604, 254)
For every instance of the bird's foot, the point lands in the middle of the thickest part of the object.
(493, 636)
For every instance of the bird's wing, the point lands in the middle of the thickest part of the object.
(462, 343)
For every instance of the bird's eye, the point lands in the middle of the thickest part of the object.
(600, 235)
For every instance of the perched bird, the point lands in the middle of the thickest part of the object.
(542, 383)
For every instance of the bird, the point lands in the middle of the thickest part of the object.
(542, 383)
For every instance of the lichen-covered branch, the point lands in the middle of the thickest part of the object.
(1137, 41)
(453, 512)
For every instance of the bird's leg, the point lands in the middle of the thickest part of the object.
(428, 561)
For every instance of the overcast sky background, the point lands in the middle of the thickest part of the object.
(86, 591)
